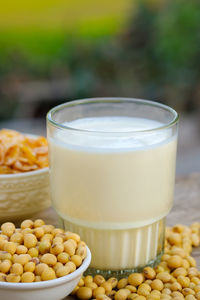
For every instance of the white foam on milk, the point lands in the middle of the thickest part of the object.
(112, 134)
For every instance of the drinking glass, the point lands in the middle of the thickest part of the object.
(112, 171)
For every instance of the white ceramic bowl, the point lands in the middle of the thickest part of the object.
(55, 289)
(24, 194)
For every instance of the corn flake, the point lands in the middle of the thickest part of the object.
(20, 153)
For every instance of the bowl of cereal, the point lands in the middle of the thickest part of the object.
(24, 174)
(39, 261)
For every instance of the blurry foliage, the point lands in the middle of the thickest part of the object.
(165, 45)
(155, 57)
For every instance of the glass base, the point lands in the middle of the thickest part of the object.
(120, 252)
(123, 273)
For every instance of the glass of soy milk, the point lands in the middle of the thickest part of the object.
(112, 170)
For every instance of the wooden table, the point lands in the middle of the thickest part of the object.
(186, 209)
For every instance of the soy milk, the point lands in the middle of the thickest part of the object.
(112, 182)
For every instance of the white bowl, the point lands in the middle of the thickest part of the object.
(55, 289)
(24, 194)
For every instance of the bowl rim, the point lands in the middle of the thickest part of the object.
(24, 174)
(49, 283)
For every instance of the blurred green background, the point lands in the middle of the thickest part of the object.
(55, 51)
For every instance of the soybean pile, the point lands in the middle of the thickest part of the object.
(176, 277)
(38, 252)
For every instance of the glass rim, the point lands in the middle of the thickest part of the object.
(49, 116)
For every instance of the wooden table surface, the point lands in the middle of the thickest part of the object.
(186, 209)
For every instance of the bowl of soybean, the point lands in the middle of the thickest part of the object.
(54, 289)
